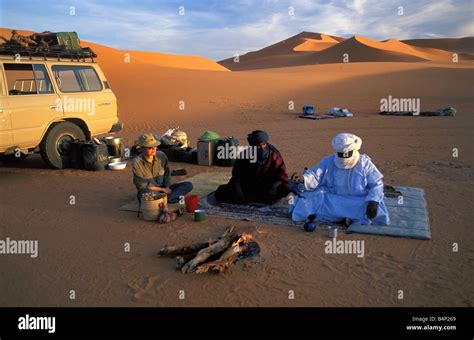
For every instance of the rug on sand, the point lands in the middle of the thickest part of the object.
(407, 207)
(273, 214)
(203, 184)
(408, 214)
(317, 117)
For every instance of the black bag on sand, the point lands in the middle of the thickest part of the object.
(95, 156)
(223, 143)
(76, 159)
(178, 154)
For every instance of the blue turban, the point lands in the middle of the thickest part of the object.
(257, 137)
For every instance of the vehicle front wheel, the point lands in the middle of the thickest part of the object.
(54, 148)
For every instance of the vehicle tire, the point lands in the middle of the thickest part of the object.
(54, 147)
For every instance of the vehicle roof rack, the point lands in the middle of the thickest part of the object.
(51, 52)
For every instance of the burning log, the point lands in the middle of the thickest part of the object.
(184, 250)
(225, 261)
(213, 256)
(192, 248)
(220, 245)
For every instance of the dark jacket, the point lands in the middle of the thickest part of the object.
(146, 174)
(260, 177)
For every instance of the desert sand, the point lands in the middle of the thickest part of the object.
(81, 246)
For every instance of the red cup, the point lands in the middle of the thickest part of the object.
(192, 203)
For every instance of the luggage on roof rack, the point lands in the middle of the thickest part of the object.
(67, 40)
(47, 45)
(52, 52)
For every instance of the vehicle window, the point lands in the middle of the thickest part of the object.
(1, 85)
(27, 79)
(43, 83)
(67, 81)
(76, 78)
(20, 79)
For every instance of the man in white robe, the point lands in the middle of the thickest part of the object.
(344, 185)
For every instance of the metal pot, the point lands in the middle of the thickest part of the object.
(113, 159)
(114, 146)
(111, 140)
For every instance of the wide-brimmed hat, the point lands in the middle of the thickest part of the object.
(148, 140)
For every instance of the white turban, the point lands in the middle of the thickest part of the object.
(346, 142)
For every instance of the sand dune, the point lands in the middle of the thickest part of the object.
(155, 58)
(297, 50)
(6, 32)
(310, 45)
(251, 62)
(358, 49)
(361, 49)
(178, 61)
(288, 45)
(317, 48)
(433, 54)
(448, 44)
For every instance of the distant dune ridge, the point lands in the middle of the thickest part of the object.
(155, 58)
(448, 44)
(311, 45)
(309, 48)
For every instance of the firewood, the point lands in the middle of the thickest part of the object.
(189, 249)
(182, 250)
(229, 230)
(224, 262)
(182, 259)
(220, 245)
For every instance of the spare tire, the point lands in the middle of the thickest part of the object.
(54, 147)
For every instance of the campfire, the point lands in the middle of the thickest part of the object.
(213, 255)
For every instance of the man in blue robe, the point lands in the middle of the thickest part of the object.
(344, 185)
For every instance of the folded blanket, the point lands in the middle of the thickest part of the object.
(339, 112)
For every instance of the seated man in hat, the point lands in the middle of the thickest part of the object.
(151, 172)
(262, 180)
(344, 185)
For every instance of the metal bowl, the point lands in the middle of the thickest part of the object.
(117, 166)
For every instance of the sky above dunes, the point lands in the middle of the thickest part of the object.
(220, 29)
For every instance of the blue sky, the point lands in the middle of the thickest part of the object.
(220, 29)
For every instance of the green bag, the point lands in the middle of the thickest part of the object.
(209, 135)
(68, 40)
